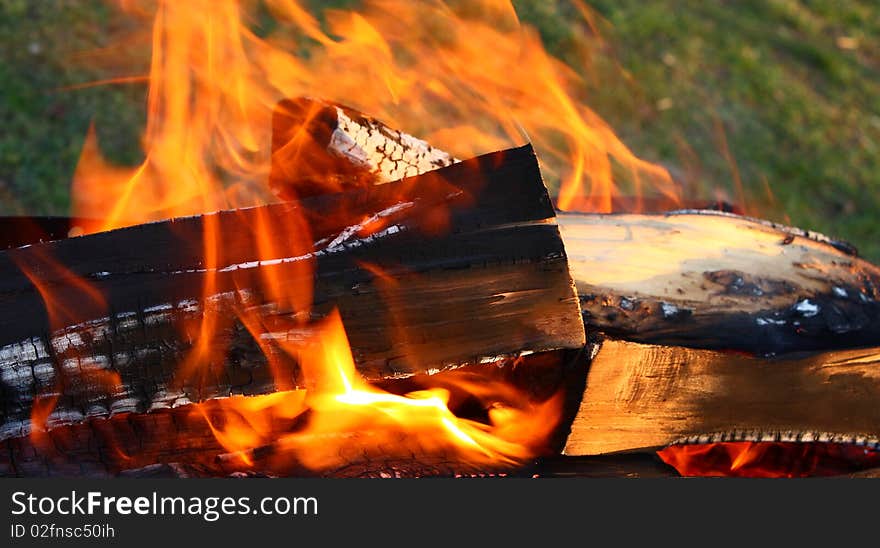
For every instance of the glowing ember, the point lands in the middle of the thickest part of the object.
(769, 459)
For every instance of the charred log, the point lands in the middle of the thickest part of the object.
(693, 277)
(19, 231)
(183, 441)
(428, 272)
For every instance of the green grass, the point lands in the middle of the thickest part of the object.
(43, 127)
(793, 87)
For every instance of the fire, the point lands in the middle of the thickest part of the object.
(768, 459)
(346, 419)
(468, 80)
(63, 310)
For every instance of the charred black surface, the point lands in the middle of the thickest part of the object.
(19, 231)
(814, 322)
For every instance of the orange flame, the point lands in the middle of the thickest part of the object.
(349, 419)
(80, 302)
(469, 80)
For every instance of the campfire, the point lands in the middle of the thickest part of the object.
(347, 262)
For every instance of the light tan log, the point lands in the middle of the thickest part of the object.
(639, 397)
(722, 281)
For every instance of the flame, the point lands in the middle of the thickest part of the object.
(348, 419)
(469, 80)
(769, 459)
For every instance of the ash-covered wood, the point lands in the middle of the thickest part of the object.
(320, 147)
(475, 270)
(640, 397)
(720, 281)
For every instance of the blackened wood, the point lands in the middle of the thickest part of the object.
(621, 465)
(720, 281)
(23, 230)
(641, 397)
(478, 271)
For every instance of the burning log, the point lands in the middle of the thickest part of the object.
(642, 397)
(428, 273)
(188, 440)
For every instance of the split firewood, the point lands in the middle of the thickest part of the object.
(703, 279)
(720, 281)
(428, 273)
(642, 397)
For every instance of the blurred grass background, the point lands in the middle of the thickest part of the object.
(775, 103)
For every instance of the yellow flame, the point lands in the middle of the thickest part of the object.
(349, 419)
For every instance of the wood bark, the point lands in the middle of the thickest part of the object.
(642, 397)
(466, 264)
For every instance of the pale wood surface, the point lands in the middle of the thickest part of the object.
(715, 280)
(640, 397)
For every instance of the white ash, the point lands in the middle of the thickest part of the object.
(807, 308)
(669, 310)
(769, 321)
